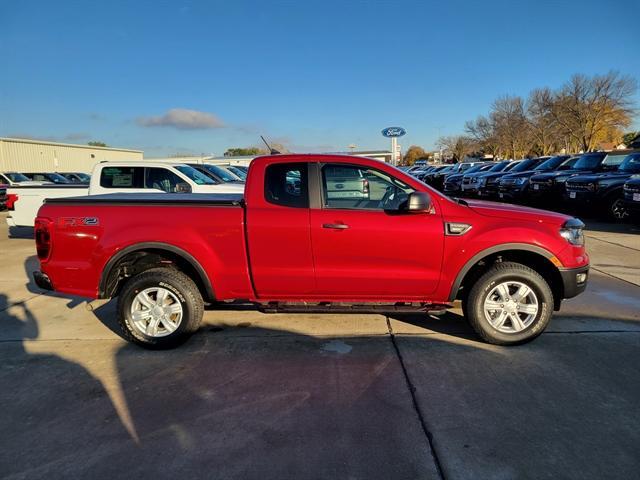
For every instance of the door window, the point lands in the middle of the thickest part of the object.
(286, 184)
(362, 188)
(162, 179)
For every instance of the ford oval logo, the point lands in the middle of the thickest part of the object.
(393, 132)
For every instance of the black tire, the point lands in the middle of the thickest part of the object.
(498, 273)
(185, 291)
(616, 209)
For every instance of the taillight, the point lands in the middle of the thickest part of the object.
(42, 230)
(12, 198)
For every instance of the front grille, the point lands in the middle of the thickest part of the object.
(508, 181)
(580, 186)
(632, 188)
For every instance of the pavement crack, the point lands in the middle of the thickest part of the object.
(416, 405)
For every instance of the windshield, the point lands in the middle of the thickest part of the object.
(498, 167)
(476, 168)
(551, 163)
(198, 177)
(631, 164)
(56, 178)
(17, 177)
(570, 163)
(83, 176)
(611, 161)
(525, 165)
(239, 172)
(221, 173)
(589, 161)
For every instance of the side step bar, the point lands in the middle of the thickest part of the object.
(340, 307)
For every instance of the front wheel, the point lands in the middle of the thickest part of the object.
(617, 210)
(509, 304)
(159, 308)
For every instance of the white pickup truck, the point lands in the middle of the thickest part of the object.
(23, 202)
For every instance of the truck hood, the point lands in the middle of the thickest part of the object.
(518, 212)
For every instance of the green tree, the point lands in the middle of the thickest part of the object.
(629, 137)
(414, 153)
(94, 143)
(243, 152)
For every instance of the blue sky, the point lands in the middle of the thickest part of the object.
(202, 76)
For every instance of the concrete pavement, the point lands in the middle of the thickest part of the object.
(321, 396)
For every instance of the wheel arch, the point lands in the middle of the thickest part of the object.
(533, 256)
(111, 279)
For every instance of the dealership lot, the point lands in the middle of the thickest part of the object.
(322, 396)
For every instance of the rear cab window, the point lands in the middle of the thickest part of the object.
(122, 177)
(286, 184)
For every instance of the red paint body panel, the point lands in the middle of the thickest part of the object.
(380, 257)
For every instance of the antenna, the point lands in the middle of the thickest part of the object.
(272, 151)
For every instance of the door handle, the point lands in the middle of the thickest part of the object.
(335, 226)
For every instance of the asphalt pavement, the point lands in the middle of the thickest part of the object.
(314, 396)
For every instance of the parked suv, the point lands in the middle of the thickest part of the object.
(547, 189)
(604, 190)
(470, 181)
(453, 182)
(489, 184)
(514, 186)
(631, 191)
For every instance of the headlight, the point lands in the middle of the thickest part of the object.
(521, 181)
(482, 181)
(572, 231)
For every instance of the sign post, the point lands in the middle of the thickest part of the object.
(393, 133)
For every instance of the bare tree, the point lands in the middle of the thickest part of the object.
(591, 110)
(511, 126)
(458, 146)
(483, 131)
(543, 127)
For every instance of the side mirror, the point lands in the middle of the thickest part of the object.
(418, 202)
(183, 187)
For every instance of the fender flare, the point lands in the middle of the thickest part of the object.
(106, 271)
(490, 251)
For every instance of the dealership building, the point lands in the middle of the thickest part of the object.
(24, 155)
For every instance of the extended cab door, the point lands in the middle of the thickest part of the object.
(363, 246)
(278, 231)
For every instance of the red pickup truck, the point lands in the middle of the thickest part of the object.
(292, 244)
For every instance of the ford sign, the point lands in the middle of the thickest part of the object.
(393, 132)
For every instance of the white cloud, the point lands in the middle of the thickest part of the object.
(182, 119)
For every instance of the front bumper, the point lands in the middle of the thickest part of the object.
(570, 280)
(42, 280)
(512, 192)
(488, 191)
(579, 197)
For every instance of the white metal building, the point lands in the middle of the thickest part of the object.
(22, 155)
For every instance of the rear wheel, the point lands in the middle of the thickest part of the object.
(159, 308)
(509, 304)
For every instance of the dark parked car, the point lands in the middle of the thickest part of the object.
(77, 177)
(219, 174)
(422, 174)
(453, 182)
(47, 177)
(470, 181)
(547, 189)
(3, 196)
(514, 187)
(604, 191)
(489, 183)
(631, 192)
